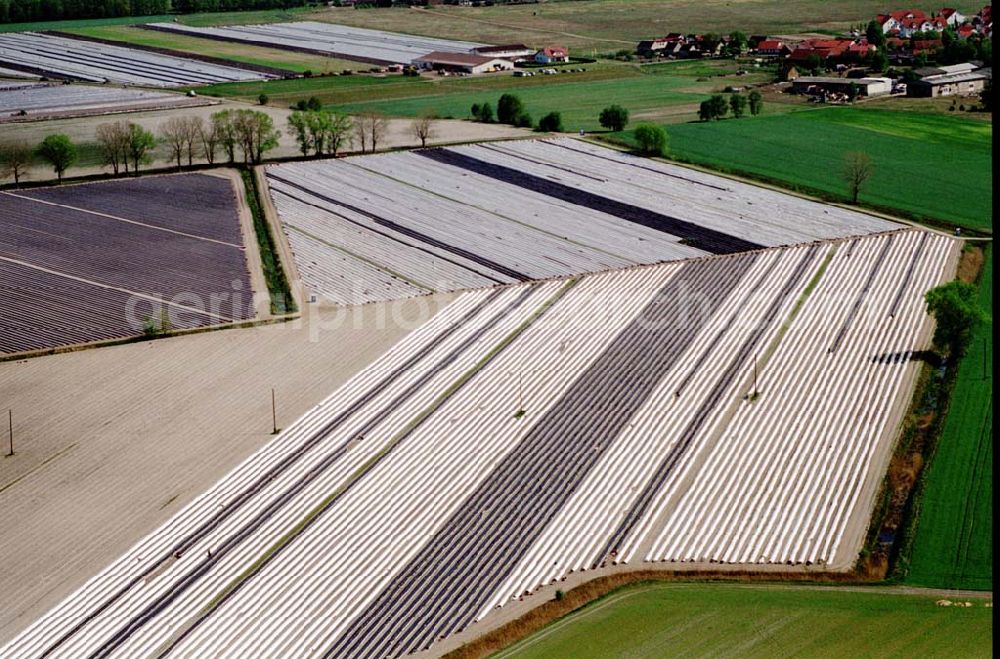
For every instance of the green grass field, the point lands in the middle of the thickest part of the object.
(698, 619)
(806, 148)
(273, 57)
(953, 547)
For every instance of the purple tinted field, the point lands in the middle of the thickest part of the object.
(198, 204)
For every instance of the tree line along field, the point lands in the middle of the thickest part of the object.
(766, 620)
(259, 55)
(953, 547)
(806, 149)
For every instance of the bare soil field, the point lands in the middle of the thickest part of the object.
(82, 130)
(110, 443)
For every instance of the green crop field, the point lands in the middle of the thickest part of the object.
(651, 96)
(698, 619)
(273, 57)
(649, 93)
(806, 148)
(953, 547)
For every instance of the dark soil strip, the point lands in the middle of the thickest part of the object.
(909, 275)
(452, 577)
(638, 166)
(412, 233)
(276, 46)
(315, 514)
(237, 501)
(862, 294)
(180, 54)
(691, 234)
(712, 400)
(521, 156)
(45, 73)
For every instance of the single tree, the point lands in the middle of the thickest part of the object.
(652, 139)
(986, 96)
(509, 108)
(255, 134)
(339, 132)
(956, 312)
(551, 123)
(718, 106)
(858, 169)
(423, 127)
(174, 133)
(298, 127)
(738, 105)
(314, 104)
(705, 111)
(224, 130)
(523, 121)
(756, 102)
(317, 129)
(614, 118)
(112, 143)
(193, 127)
(140, 143)
(485, 114)
(262, 99)
(15, 159)
(59, 151)
(874, 34)
(208, 138)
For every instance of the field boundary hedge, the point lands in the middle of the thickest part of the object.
(282, 301)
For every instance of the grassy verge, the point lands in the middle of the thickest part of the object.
(763, 620)
(950, 527)
(804, 151)
(282, 301)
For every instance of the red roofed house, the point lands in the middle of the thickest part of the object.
(952, 16)
(773, 48)
(965, 31)
(552, 54)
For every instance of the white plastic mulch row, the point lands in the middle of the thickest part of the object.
(97, 62)
(47, 97)
(354, 42)
(785, 476)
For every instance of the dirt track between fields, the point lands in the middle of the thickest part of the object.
(109, 443)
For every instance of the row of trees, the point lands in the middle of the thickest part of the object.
(124, 146)
(20, 11)
(511, 110)
(717, 107)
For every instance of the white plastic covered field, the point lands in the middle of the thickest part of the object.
(533, 430)
(396, 225)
